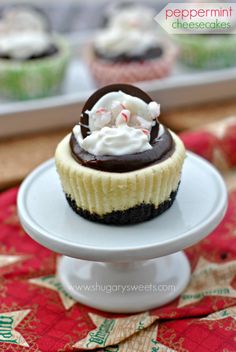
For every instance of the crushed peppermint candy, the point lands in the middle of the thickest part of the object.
(119, 124)
(123, 113)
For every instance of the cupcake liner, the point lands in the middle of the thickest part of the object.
(105, 72)
(207, 51)
(36, 78)
(139, 213)
(101, 193)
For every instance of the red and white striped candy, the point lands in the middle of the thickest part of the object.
(123, 118)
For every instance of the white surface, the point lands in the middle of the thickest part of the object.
(125, 288)
(198, 209)
(183, 87)
(46, 216)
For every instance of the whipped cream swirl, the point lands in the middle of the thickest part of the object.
(120, 124)
(23, 17)
(114, 141)
(117, 41)
(131, 31)
(133, 17)
(23, 34)
(23, 45)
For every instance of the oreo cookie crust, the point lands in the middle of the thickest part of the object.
(134, 215)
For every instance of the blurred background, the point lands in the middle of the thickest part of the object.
(76, 15)
(197, 91)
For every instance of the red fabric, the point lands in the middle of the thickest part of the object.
(228, 144)
(51, 327)
(211, 142)
(207, 146)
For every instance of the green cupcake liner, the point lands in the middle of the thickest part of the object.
(207, 51)
(36, 78)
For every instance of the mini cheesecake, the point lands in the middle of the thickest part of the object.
(130, 48)
(119, 165)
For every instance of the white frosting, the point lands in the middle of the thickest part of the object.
(115, 141)
(23, 34)
(22, 19)
(23, 45)
(116, 41)
(112, 105)
(120, 124)
(130, 31)
(134, 17)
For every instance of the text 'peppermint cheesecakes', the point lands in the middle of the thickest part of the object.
(120, 165)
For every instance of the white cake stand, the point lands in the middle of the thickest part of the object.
(113, 268)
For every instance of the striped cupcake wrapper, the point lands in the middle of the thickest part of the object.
(102, 192)
(105, 72)
(36, 78)
(207, 51)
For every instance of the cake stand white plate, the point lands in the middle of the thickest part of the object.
(115, 269)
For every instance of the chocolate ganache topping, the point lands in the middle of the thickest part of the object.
(128, 143)
(148, 54)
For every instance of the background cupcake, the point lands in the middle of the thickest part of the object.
(207, 50)
(32, 59)
(120, 7)
(130, 49)
(208, 47)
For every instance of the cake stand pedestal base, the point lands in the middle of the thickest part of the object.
(125, 287)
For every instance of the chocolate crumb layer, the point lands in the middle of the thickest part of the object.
(151, 53)
(134, 215)
(52, 50)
